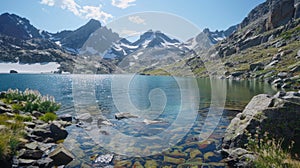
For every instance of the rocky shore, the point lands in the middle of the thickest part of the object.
(278, 115)
(40, 143)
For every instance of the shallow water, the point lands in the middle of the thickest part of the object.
(188, 116)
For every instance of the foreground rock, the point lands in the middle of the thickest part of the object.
(41, 144)
(278, 115)
(61, 156)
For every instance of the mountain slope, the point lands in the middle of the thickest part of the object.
(265, 47)
(208, 38)
(74, 40)
(21, 42)
(152, 49)
(15, 26)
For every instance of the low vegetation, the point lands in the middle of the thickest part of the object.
(269, 153)
(49, 116)
(12, 127)
(30, 101)
(11, 131)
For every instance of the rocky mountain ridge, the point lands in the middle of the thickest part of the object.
(265, 47)
(22, 42)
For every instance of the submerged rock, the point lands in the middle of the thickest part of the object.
(172, 160)
(120, 116)
(66, 117)
(149, 122)
(151, 164)
(86, 117)
(104, 158)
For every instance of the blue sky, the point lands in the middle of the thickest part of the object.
(57, 15)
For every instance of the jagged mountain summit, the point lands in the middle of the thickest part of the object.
(18, 27)
(21, 42)
(74, 40)
(149, 39)
(152, 49)
(208, 38)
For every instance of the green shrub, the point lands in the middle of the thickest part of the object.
(33, 101)
(49, 116)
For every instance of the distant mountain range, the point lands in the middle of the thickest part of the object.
(22, 42)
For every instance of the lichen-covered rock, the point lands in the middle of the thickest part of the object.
(235, 133)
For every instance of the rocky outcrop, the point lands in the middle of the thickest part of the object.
(38, 147)
(278, 115)
(282, 11)
(15, 26)
(297, 11)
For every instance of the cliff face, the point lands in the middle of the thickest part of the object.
(260, 24)
(281, 12)
(272, 14)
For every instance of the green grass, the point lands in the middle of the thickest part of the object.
(23, 118)
(288, 34)
(9, 139)
(49, 116)
(269, 153)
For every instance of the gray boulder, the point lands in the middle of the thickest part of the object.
(58, 132)
(282, 75)
(37, 114)
(278, 115)
(32, 154)
(66, 117)
(61, 156)
(26, 162)
(256, 66)
(86, 117)
(45, 162)
(237, 74)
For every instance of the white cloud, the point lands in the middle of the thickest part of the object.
(70, 5)
(94, 12)
(48, 2)
(136, 19)
(87, 12)
(128, 33)
(122, 3)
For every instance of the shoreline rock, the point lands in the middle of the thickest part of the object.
(279, 115)
(41, 139)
